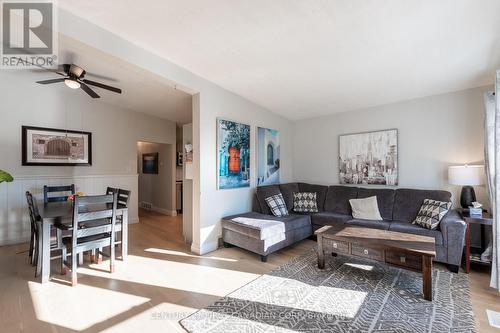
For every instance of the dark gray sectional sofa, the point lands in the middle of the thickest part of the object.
(398, 208)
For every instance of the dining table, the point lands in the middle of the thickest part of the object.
(62, 212)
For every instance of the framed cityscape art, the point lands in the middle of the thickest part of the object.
(369, 158)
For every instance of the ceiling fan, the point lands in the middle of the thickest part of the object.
(74, 78)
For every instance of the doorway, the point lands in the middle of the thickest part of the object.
(156, 166)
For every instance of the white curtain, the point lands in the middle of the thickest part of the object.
(492, 160)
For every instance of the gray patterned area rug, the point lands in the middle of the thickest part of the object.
(350, 295)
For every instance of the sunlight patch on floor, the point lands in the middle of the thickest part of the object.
(182, 254)
(359, 266)
(303, 296)
(186, 277)
(60, 305)
(493, 318)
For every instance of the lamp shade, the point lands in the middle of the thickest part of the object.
(466, 175)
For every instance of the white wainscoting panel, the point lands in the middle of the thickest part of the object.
(14, 219)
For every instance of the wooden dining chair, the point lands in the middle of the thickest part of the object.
(34, 221)
(123, 202)
(93, 227)
(56, 235)
(63, 192)
(123, 195)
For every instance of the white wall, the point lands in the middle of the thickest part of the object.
(187, 189)
(209, 102)
(115, 133)
(158, 189)
(434, 132)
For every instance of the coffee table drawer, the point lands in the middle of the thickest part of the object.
(366, 252)
(403, 259)
(336, 246)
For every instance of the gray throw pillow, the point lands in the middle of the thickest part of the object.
(305, 202)
(431, 213)
(277, 205)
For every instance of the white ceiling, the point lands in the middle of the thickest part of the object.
(304, 58)
(142, 91)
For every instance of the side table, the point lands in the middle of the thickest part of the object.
(486, 219)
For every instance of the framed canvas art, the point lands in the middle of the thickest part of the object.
(369, 158)
(55, 147)
(268, 156)
(150, 163)
(233, 154)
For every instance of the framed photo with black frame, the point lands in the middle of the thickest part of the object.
(55, 147)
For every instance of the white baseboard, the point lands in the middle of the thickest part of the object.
(204, 248)
(163, 211)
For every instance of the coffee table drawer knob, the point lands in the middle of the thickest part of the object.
(402, 259)
(365, 251)
(335, 245)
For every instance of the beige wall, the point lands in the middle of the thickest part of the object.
(158, 189)
(209, 102)
(115, 133)
(434, 133)
(187, 189)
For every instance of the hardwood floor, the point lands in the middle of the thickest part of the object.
(161, 283)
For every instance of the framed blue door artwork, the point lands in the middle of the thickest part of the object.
(150, 163)
(233, 154)
(268, 156)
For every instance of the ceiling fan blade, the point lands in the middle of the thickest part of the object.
(100, 77)
(103, 86)
(43, 70)
(50, 81)
(88, 90)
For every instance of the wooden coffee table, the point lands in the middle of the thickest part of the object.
(411, 252)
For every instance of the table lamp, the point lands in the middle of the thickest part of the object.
(467, 176)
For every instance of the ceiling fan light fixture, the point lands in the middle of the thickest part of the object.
(73, 84)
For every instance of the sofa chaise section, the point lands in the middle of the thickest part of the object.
(264, 234)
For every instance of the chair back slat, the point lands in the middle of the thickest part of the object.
(94, 200)
(95, 215)
(62, 193)
(123, 197)
(100, 210)
(111, 190)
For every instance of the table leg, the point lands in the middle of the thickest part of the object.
(427, 277)
(45, 241)
(482, 238)
(321, 253)
(38, 249)
(467, 248)
(124, 235)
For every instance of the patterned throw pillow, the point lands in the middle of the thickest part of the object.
(277, 205)
(305, 202)
(431, 213)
